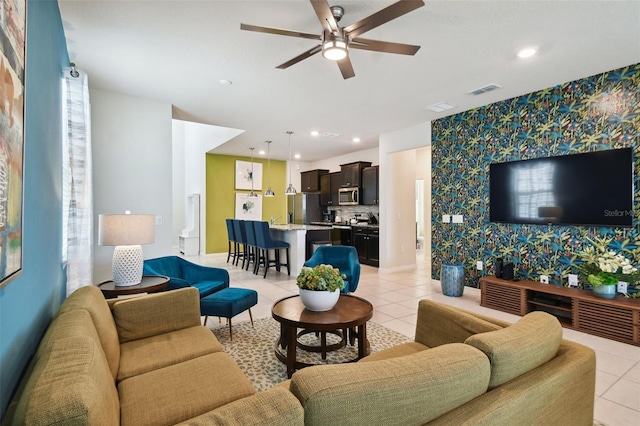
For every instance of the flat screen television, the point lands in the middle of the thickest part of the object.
(590, 189)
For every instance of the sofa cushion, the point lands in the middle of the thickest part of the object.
(141, 356)
(206, 288)
(439, 324)
(523, 346)
(154, 314)
(70, 384)
(274, 407)
(412, 389)
(179, 392)
(90, 299)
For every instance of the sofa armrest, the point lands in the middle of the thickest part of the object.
(192, 273)
(158, 313)
(274, 407)
(439, 324)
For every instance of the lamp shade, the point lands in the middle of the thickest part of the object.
(126, 229)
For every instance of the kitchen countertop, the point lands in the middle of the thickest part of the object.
(354, 225)
(294, 227)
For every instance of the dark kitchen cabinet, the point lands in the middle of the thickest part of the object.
(370, 186)
(351, 173)
(329, 186)
(367, 244)
(310, 180)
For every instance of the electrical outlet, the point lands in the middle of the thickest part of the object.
(622, 287)
(573, 280)
(544, 279)
(446, 218)
(479, 265)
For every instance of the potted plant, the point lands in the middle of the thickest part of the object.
(320, 287)
(604, 269)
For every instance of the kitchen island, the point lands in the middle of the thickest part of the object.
(300, 238)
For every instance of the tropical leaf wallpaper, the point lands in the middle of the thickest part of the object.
(595, 113)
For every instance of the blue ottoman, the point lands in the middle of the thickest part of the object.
(228, 303)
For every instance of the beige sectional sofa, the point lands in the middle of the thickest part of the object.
(148, 361)
(140, 361)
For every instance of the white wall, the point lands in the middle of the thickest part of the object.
(179, 194)
(191, 142)
(131, 167)
(397, 195)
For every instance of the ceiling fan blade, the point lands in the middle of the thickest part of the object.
(278, 31)
(383, 16)
(324, 14)
(383, 46)
(300, 57)
(346, 68)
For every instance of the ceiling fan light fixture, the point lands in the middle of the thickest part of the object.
(334, 46)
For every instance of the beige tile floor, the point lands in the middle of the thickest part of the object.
(395, 299)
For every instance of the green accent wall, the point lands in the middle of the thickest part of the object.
(221, 195)
(591, 114)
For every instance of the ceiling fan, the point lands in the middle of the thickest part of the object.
(335, 41)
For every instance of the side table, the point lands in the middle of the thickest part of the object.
(149, 284)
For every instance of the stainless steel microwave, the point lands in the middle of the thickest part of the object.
(348, 196)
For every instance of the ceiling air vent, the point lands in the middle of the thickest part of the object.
(484, 89)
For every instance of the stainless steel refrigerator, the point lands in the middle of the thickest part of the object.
(304, 208)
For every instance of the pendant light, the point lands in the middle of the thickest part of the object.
(252, 194)
(269, 192)
(290, 189)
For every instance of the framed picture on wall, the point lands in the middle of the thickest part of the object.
(247, 172)
(12, 63)
(248, 208)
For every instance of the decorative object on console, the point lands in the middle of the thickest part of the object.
(127, 232)
(452, 280)
(320, 287)
(269, 192)
(604, 268)
(498, 268)
(290, 189)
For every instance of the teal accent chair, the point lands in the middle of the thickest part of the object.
(183, 273)
(345, 258)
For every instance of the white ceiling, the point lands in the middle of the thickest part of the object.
(177, 51)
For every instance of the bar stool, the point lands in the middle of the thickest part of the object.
(241, 238)
(265, 243)
(233, 244)
(252, 247)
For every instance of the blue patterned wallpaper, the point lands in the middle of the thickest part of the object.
(595, 113)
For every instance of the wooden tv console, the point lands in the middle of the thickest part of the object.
(616, 319)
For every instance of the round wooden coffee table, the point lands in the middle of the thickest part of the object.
(350, 313)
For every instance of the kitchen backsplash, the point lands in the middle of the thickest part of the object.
(347, 212)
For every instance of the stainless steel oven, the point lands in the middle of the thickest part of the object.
(348, 196)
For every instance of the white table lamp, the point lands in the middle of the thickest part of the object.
(127, 232)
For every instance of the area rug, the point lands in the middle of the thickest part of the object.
(253, 348)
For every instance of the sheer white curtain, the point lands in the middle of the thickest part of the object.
(77, 193)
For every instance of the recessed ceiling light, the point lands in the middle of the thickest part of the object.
(440, 106)
(315, 133)
(527, 52)
(356, 140)
(226, 82)
(261, 152)
(297, 156)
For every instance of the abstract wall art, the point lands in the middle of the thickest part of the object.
(12, 71)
